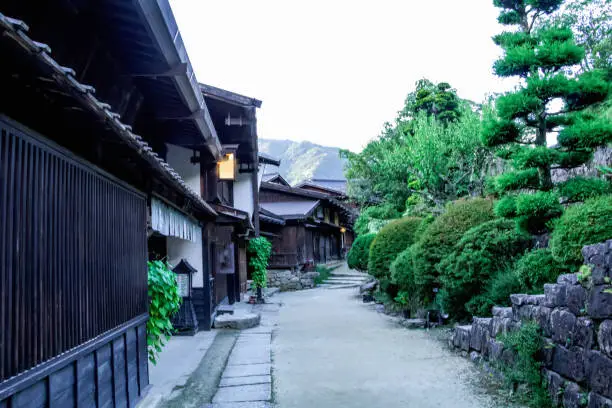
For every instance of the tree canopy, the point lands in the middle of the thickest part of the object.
(550, 101)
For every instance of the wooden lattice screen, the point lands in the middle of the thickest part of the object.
(73, 251)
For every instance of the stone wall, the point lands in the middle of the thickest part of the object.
(576, 320)
(287, 279)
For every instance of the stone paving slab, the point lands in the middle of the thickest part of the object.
(251, 404)
(242, 393)
(253, 379)
(247, 370)
(244, 358)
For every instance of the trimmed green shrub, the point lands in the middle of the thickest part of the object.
(402, 271)
(481, 253)
(377, 212)
(582, 188)
(538, 267)
(360, 251)
(517, 180)
(581, 225)
(534, 211)
(440, 237)
(506, 207)
(497, 293)
(392, 239)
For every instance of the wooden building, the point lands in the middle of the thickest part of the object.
(110, 155)
(306, 227)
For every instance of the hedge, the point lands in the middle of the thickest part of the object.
(360, 252)
(581, 225)
(392, 239)
(538, 267)
(481, 253)
(440, 237)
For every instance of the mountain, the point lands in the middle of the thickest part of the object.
(304, 160)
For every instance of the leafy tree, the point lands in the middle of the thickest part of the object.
(376, 212)
(430, 155)
(447, 161)
(591, 22)
(437, 100)
(524, 119)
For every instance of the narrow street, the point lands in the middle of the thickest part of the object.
(331, 350)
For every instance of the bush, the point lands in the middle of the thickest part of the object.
(377, 212)
(164, 302)
(497, 293)
(581, 225)
(581, 188)
(534, 211)
(481, 253)
(526, 344)
(402, 271)
(439, 238)
(506, 207)
(538, 267)
(360, 251)
(392, 239)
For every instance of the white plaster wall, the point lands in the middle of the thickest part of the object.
(243, 193)
(191, 251)
(179, 159)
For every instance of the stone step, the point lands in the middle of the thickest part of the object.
(345, 278)
(343, 286)
(350, 275)
(237, 321)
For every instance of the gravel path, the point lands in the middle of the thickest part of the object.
(331, 350)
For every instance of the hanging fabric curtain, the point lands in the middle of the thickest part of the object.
(172, 223)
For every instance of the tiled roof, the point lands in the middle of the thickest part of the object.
(291, 209)
(335, 186)
(65, 77)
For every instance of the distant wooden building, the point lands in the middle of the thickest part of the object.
(305, 227)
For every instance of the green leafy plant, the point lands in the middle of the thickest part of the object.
(538, 267)
(526, 369)
(582, 188)
(389, 242)
(440, 237)
(497, 293)
(164, 302)
(259, 250)
(481, 253)
(580, 225)
(324, 274)
(360, 252)
(382, 212)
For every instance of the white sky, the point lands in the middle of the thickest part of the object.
(332, 72)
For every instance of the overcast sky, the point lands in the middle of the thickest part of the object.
(332, 72)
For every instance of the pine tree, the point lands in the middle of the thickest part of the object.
(527, 117)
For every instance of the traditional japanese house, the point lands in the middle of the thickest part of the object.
(305, 227)
(333, 187)
(94, 95)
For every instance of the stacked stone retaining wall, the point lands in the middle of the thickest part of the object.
(576, 319)
(291, 279)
